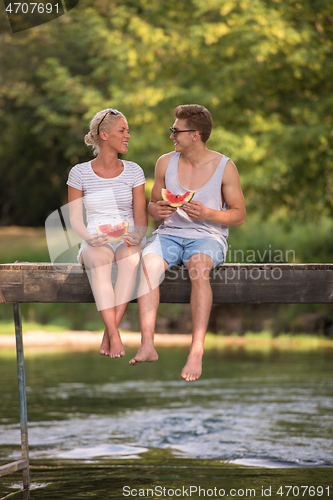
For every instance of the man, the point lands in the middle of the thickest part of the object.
(194, 234)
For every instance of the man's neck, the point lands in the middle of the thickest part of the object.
(197, 157)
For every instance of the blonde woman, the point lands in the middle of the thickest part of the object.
(112, 192)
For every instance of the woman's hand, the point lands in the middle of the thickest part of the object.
(134, 238)
(97, 240)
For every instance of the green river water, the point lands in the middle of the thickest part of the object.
(257, 423)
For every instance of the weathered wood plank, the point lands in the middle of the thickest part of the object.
(13, 467)
(231, 283)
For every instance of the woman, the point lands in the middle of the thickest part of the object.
(112, 192)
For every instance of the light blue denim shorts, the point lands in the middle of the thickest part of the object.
(176, 250)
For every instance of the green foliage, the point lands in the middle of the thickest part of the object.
(280, 241)
(262, 67)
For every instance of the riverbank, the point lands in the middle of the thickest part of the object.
(86, 340)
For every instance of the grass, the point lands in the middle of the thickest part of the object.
(265, 340)
(26, 244)
(7, 327)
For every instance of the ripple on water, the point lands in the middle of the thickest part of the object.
(245, 420)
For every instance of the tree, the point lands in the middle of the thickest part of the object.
(262, 67)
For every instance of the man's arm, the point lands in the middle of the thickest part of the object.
(158, 208)
(232, 194)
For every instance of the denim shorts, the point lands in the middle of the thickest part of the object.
(176, 250)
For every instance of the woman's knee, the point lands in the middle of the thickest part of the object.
(129, 263)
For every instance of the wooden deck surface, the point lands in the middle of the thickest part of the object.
(231, 283)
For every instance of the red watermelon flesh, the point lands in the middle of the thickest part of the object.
(176, 200)
(115, 233)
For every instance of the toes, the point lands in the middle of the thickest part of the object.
(104, 353)
(189, 377)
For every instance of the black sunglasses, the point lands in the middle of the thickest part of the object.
(174, 132)
(112, 112)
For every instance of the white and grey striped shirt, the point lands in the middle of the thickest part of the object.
(107, 201)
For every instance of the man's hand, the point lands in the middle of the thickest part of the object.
(164, 210)
(196, 210)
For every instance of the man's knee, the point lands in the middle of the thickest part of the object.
(199, 267)
(152, 272)
(154, 264)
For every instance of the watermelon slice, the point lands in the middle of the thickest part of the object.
(115, 233)
(176, 200)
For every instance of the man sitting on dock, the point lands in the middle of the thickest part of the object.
(194, 234)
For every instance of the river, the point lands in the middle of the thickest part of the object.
(98, 428)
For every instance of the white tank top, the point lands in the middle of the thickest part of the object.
(179, 224)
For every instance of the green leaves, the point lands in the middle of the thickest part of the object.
(262, 67)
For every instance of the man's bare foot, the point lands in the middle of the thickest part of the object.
(146, 353)
(193, 367)
(105, 345)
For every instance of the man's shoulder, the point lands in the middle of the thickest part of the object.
(166, 157)
(163, 161)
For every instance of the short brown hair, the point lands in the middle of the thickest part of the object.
(197, 117)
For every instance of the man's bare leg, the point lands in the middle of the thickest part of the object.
(199, 266)
(148, 300)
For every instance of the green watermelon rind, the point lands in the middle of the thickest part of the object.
(185, 198)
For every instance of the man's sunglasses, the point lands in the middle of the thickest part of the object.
(112, 112)
(174, 132)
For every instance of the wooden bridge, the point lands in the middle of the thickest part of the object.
(231, 283)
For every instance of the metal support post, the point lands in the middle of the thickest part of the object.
(22, 394)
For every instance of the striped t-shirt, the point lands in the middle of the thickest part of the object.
(107, 201)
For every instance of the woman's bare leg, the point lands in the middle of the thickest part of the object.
(99, 262)
(128, 262)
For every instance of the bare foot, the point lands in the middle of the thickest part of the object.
(193, 367)
(105, 345)
(116, 346)
(146, 353)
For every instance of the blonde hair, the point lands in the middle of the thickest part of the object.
(103, 120)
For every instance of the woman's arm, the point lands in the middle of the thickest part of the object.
(140, 215)
(76, 218)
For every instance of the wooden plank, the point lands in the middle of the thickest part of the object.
(269, 284)
(13, 467)
(231, 283)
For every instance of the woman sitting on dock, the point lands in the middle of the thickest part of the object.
(112, 192)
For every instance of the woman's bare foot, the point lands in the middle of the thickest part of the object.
(146, 353)
(193, 367)
(116, 346)
(105, 345)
